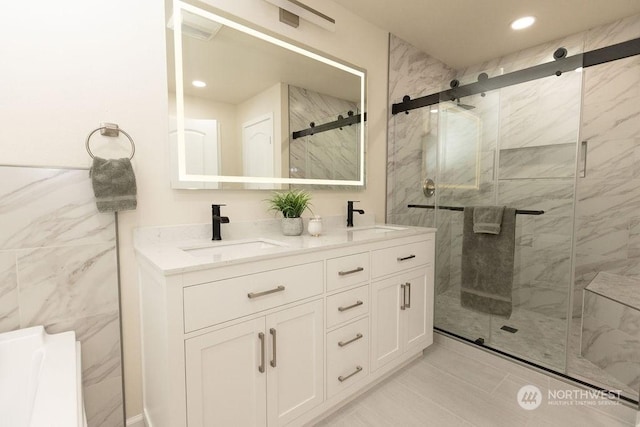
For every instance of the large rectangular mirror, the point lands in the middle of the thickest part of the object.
(250, 110)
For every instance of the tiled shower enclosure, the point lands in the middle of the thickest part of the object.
(522, 146)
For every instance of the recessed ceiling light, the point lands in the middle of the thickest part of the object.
(198, 83)
(435, 110)
(522, 23)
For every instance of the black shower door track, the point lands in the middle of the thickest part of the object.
(559, 66)
(340, 123)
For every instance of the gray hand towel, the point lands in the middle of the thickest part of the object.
(114, 184)
(487, 219)
(487, 266)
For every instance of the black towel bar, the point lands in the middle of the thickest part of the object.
(460, 208)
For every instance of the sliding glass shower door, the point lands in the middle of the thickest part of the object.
(516, 147)
(465, 177)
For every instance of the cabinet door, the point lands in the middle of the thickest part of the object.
(294, 362)
(224, 384)
(386, 332)
(418, 300)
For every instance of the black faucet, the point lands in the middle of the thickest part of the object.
(216, 220)
(350, 212)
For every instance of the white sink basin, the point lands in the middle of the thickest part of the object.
(234, 249)
(370, 232)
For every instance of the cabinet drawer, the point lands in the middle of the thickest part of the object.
(347, 270)
(347, 354)
(216, 302)
(398, 258)
(347, 305)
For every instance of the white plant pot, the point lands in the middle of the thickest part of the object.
(292, 226)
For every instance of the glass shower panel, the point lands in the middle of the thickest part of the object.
(466, 177)
(515, 146)
(538, 134)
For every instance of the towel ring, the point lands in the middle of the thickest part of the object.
(110, 130)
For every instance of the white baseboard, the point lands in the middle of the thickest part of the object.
(135, 421)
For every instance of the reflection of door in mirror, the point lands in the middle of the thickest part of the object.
(258, 150)
(202, 152)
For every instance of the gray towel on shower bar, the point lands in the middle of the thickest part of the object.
(487, 219)
(487, 265)
(114, 184)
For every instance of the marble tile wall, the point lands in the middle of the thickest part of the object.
(412, 138)
(58, 269)
(541, 112)
(413, 144)
(608, 197)
(412, 158)
(327, 155)
(525, 58)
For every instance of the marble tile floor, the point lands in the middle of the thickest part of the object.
(540, 339)
(454, 384)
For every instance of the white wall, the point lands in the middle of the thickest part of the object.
(71, 64)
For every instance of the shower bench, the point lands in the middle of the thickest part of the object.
(611, 326)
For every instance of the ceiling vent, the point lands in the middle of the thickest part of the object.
(296, 9)
(197, 27)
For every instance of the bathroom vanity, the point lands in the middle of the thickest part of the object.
(274, 330)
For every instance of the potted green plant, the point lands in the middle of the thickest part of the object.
(291, 204)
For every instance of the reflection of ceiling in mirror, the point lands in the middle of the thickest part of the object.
(237, 66)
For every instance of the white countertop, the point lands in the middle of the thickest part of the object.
(164, 247)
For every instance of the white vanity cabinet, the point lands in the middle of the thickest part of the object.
(402, 315)
(223, 383)
(265, 371)
(402, 301)
(281, 340)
